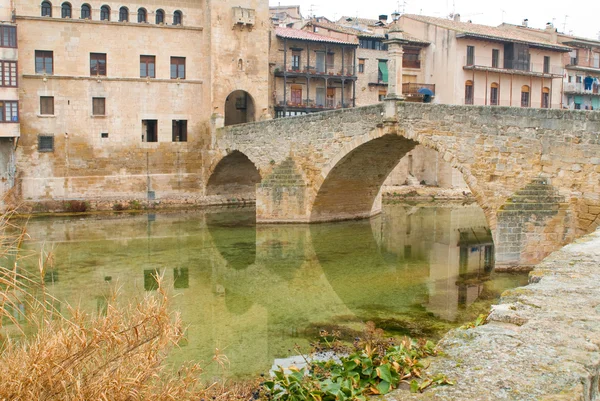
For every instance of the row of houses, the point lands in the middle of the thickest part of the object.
(458, 62)
(97, 106)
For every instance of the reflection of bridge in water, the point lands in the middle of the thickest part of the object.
(258, 290)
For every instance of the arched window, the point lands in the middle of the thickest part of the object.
(86, 11)
(469, 92)
(545, 98)
(46, 9)
(160, 17)
(494, 92)
(105, 13)
(524, 96)
(142, 15)
(123, 14)
(65, 10)
(177, 18)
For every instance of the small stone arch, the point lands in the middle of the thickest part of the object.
(235, 177)
(239, 108)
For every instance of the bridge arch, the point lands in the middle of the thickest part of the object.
(239, 108)
(349, 184)
(234, 177)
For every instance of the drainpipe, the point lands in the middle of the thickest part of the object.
(284, 77)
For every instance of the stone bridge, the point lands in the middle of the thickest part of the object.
(535, 172)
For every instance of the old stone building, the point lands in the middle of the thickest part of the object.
(117, 100)
(9, 99)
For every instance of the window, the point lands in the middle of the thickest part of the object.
(8, 36)
(495, 58)
(570, 79)
(142, 15)
(330, 60)
(411, 57)
(578, 79)
(373, 44)
(65, 10)
(8, 73)
(179, 130)
(47, 105)
(470, 55)
(46, 9)
(296, 61)
(44, 62)
(98, 106)
(149, 130)
(147, 64)
(546, 64)
(596, 57)
(160, 17)
(177, 67)
(382, 73)
(45, 143)
(382, 94)
(123, 14)
(9, 111)
(361, 65)
(296, 94)
(525, 96)
(545, 98)
(494, 94)
(86, 11)
(98, 64)
(177, 18)
(105, 13)
(469, 92)
(573, 57)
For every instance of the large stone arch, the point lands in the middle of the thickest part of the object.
(234, 176)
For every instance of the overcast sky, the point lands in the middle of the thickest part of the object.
(581, 17)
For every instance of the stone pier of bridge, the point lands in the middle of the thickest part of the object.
(534, 172)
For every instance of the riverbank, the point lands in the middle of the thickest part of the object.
(542, 341)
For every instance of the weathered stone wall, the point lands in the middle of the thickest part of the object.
(498, 151)
(542, 342)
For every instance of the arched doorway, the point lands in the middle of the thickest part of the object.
(239, 108)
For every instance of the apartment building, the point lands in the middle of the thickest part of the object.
(9, 99)
(311, 72)
(582, 76)
(484, 65)
(117, 100)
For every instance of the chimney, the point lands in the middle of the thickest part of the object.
(525, 23)
(549, 27)
(383, 18)
(457, 17)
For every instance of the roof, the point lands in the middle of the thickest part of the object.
(362, 21)
(364, 34)
(290, 33)
(477, 31)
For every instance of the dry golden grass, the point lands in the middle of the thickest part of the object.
(77, 356)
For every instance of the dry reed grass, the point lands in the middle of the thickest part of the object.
(77, 356)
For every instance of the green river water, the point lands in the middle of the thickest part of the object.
(255, 292)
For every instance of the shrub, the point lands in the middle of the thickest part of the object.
(76, 206)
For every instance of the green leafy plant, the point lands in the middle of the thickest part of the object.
(374, 365)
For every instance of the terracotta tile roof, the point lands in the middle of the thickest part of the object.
(363, 34)
(467, 29)
(290, 33)
(362, 21)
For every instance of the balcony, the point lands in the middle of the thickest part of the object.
(579, 88)
(516, 67)
(290, 108)
(592, 65)
(317, 71)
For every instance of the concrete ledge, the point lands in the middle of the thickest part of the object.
(542, 341)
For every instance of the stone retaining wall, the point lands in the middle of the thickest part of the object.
(542, 341)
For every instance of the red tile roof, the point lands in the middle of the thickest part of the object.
(290, 33)
(467, 29)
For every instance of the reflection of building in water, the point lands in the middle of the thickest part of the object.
(454, 240)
